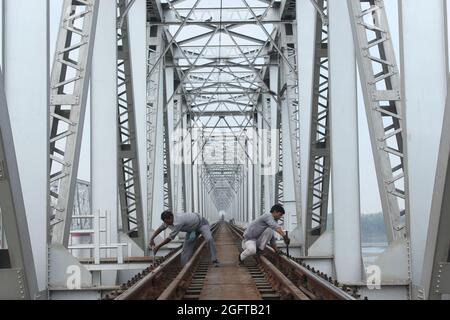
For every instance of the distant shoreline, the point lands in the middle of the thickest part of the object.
(374, 244)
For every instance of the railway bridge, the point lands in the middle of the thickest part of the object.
(112, 112)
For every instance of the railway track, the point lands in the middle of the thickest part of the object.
(269, 276)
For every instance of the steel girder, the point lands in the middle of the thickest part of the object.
(17, 270)
(319, 158)
(168, 199)
(69, 89)
(290, 104)
(380, 80)
(226, 15)
(154, 11)
(128, 161)
(154, 99)
(223, 105)
(436, 270)
(180, 196)
(276, 138)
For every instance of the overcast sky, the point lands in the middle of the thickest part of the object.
(370, 201)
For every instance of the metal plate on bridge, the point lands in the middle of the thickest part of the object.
(12, 285)
(442, 285)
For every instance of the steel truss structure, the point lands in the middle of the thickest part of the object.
(222, 76)
(154, 99)
(380, 80)
(222, 136)
(319, 158)
(69, 89)
(128, 170)
(290, 101)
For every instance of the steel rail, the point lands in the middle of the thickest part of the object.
(150, 283)
(177, 289)
(287, 289)
(315, 284)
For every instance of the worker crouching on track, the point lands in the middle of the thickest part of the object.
(261, 232)
(191, 223)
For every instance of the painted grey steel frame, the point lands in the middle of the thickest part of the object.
(195, 88)
(68, 97)
(279, 182)
(168, 199)
(154, 83)
(319, 158)
(380, 80)
(131, 207)
(436, 270)
(18, 275)
(290, 101)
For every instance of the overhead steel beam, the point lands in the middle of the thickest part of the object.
(222, 113)
(220, 101)
(168, 47)
(154, 10)
(71, 69)
(225, 22)
(221, 16)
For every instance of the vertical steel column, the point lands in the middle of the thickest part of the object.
(256, 166)
(137, 23)
(196, 141)
(17, 273)
(344, 146)
(291, 127)
(179, 178)
(2, 19)
(262, 145)
(183, 163)
(2, 31)
(266, 156)
(436, 267)
(424, 76)
(306, 32)
(319, 156)
(187, 161)
(68, 97)
(276, 139)
(128, 158)
(104, 129)
(250, 178)
(168, 130)
(154, 101)
(26, 83)
(380, 80)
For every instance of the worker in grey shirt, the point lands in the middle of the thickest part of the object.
(191, 223)
(261, 232)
